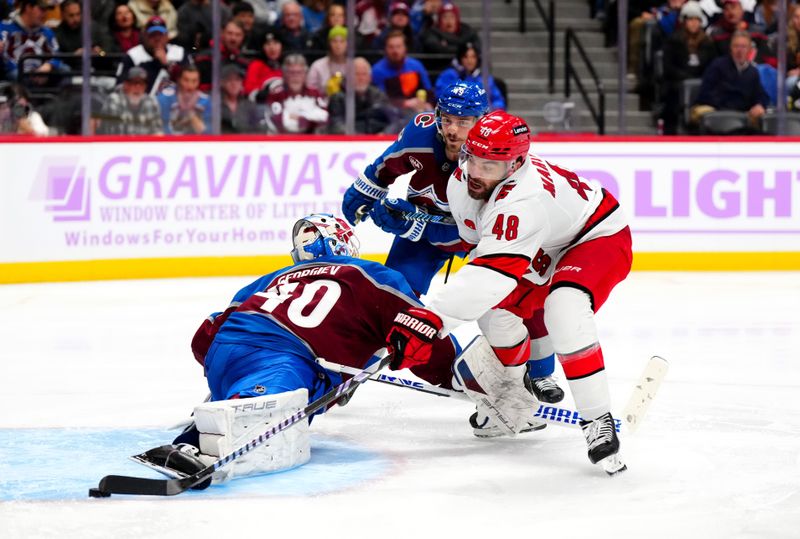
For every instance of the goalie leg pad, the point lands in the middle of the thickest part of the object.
(503, 393)
(227, 425)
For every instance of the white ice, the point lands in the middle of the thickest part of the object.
(718, 455)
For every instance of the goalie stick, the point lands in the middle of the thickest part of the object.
(641, 397)
(122, 484)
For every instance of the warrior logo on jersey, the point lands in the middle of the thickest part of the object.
(426, 119)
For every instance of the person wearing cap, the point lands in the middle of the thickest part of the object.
(239, 115)
(448, 34)
(25, 34)
(332, 65)
(266, 67)
(687, 53)
(194, 24)
(370, 18)
(733, 18)
(185, 110)
(129, 110)
(231, 42)
(399, 19)
(155, 54)
(147, 9)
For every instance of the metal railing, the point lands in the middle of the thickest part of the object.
(549, 20)
(570, 73)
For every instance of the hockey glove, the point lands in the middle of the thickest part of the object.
(412, 336)
(390, 216)
(362, 194)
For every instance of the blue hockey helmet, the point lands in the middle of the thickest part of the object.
(463, 98)
(322, 234)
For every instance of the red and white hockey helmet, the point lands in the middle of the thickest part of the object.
(493, 145)
(322, 234)
(499, 136)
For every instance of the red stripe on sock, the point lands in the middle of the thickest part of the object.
(511, 356)
(582, 362)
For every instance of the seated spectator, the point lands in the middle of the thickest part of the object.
(467, 66)
(731, 82)
(331, 65)
(687, 53)
(448, 33)
(25, 34)
(405, 80)
(124, 33)
(399, 19)
(232, 39)
(239, 115)
(424, 13)
(293, 107)
(147, 9)
(732, 20)
(245, 15)
(314, 14)
(16, 113)
(69, 33)
(793, 47)
(129, 110)
(266, 67)
(335, 16)
(155, 55)
(291, 28)
(765, 15)
(373, 114)
(185, 110)
(195, 27)
(662, 14)
(371, 18)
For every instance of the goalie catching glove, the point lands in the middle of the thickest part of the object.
(411, 338)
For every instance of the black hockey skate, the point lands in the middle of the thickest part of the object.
(175, 461)
(601, 437)
(546, 390)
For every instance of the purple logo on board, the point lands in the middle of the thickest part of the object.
(64, 187)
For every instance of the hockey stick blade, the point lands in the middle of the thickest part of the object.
(122, 484)
(644, 392)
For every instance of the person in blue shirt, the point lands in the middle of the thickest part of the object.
(467, 66)
(185, 110)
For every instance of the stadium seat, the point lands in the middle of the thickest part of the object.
(724, 122)
(769, 123)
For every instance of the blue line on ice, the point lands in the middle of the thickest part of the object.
(62, 464)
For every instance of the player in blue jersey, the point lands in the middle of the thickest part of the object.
(429, 147)
(259, 354)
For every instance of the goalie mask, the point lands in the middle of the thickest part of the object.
(322, 234)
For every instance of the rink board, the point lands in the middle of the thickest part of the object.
(74, 209)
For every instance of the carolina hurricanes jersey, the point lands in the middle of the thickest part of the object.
(529, 222)
(418, 149)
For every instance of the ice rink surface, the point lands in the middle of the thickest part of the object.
(93, 372)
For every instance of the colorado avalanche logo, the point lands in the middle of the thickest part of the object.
(469, 224)
(425, 119)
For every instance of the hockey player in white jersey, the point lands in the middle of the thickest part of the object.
(539, 236)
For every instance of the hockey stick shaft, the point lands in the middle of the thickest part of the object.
(418, 215)
(120, 484)
(546, 412)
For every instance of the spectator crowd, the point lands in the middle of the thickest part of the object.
(709, 66)
(283, 65)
